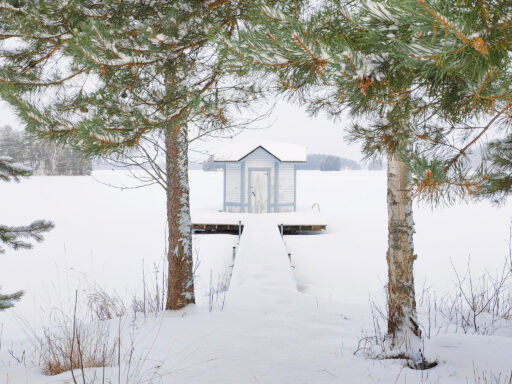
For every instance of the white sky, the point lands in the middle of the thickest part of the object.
(7, 117)
(288, 123)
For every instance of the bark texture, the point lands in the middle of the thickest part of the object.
(180, 290)
(402, 318)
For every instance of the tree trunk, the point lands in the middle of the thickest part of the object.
(180, 290)
(402, 318)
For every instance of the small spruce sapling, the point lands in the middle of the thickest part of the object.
(17, 237)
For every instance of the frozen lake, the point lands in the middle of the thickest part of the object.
(105, 235)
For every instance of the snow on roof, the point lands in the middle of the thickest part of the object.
(282, 151)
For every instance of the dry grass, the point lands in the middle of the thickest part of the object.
(478, 305)
(69, 344)
(488, 377)
(104, 305)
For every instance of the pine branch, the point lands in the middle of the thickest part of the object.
(14, 236)
(476, 138)
(476, 43)
(7, 300)
(11, 171)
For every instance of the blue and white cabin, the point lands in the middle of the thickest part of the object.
(260, 178)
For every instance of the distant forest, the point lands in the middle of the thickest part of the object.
(328, 163)
(43, 157)
(314, 162)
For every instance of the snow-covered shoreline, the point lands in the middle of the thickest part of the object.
(104, 236)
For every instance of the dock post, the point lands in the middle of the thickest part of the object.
(239, 229)
(234, 255)
(282, 230)
(290, 257)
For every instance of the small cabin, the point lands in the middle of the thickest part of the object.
(260, 178)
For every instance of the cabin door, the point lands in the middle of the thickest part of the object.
(259, 191)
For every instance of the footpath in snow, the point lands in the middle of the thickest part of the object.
(262, 275)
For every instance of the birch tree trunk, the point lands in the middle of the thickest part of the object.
(402, 318)
(180, 289)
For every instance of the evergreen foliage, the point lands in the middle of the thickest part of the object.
(7, 301)
(12, 171)
(16, 237)
(110, 77)
(427, 80)
(499, 186)
(109, 72)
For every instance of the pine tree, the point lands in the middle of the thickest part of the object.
(125, 70)
(462, 52)
(327, 60)
(17, 237)
(459, 54)
(413, 75)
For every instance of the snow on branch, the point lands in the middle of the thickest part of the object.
(379, 10)
(8, 7)
(9, 170)
(7, 301)
(475, 41)
(14, 237)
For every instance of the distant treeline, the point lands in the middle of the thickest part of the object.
(43, 157)
(313, 162)
(328, 163)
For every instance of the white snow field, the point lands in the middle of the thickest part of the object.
(276, 324)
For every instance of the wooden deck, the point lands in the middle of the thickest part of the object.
(232, 228)
(288, 223)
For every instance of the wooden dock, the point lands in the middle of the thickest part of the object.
(225, 222)
(262, 277)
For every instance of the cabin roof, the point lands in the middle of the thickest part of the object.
(284, 152)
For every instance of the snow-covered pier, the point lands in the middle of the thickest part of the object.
(262, 269)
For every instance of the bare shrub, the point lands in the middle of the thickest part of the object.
(373, 344)
(488, 377)
(70, 343)
(378, 344)
(481, 303)
(146, 305)
(478, 305)
(104, 305)
(217, 292)
(152, 299)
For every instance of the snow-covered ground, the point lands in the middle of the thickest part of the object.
(105, 236)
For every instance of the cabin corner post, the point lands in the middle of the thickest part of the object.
(294, 187)
(269, 191)
(242, 186)
(180, 289)
(276, 186)
(224, 192)
(403, 326)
